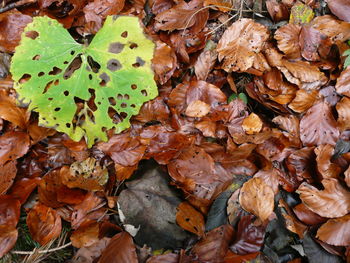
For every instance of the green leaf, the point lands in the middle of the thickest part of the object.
(85, 90)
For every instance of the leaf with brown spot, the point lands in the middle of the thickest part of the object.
(190, 219)
(335, 231)
(124, 149)
(183, 16)
(120, 247)
(333, 201)
(318, 126)
(257, 198)
(197, 109)
(44, 224)
(214, 245)
(303, 100)
(7, 175)
(343, 83)
(164, 62)
(287, 37)
(240, 45)
(13, 145)
(252, 124)
(325, 167)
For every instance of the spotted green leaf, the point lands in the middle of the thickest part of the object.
(84, 90)
(301, 14)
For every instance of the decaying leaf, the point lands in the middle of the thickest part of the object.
(333, 201)
(303, 100)
(7, 175)
(287, 38)
(241, 44)
(335, 231)
(13, 145)
(343, 109)
(190, 219)
(257, 198)
(343, 83)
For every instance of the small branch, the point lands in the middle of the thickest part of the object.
(41, 251)
(15, 5)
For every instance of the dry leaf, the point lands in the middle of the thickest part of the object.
(333, 201)
(277, 10)
(306, 216)
(335, 231)
(164, 62)
(252, 124)
(86, 235)
(303, 100)
(343, 109)
(205, 63)
(257, 198)
(343, 83)
(287, 37)
(325, 167)
(7, 175)
(13, 145)
(340, 8)
(197, 109)
(240, 45)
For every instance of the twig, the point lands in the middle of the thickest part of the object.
(41, 251)
(15, 5)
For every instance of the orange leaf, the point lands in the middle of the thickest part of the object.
(287, 37)
(190, 219)
(343, 109)
(197, 109)
(303, 100)
(335, 231)
(7, 175)
(252, 124)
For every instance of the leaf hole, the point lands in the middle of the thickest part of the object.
(90, 77)
(126, 97)
(134, 86)
(119, 96)
(104, 79)
(56, 82)
(113, 114)
(36, 57)
(48, 85)
(91, 102)
(40, 74)
(133, 106)
(57, 109)
(144, 92)
(124, 115)
(123, 105)
(133, 45)
(72, 52)
(140, 61)
(24, 78)
(32, 34)
(116, 47)
(73, 66)
(114, 64)
(124, 34)
(95, 66)
(68, 125)
(136, 65)
(66, 93)
(112, 101)
(50, 99)
(55, 71)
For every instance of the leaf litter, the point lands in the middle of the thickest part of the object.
(198, 174)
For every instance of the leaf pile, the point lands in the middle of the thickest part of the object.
(243, 155)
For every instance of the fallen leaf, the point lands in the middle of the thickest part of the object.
(183, 16)
(318, 126)
(301, 14)
(333, 201)
(22, 188)
(44, 224)
(249, 238)
(90, 253)
(205, 62)
(257, 198)
(306, 216)
(13, 145)
(336, 30)
(222, 5)
(252, 124)
(120, 247)
(287, 37)
(154, 110)
(165, 258)
(325, 167)
(340, 8)
(343, 83)
(235, 258)
(334, 231)
(12, 24)
(7, 175)
(8, 238)
(277, 10)
(214, 245)
(86, 235)
(240, 45)
(197, 109)
(303, 100)
(38, 133)
(190, 219)
(347, 177)
(343, 109)
(9, 211)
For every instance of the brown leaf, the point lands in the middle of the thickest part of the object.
(269, 177)
(291, 221)
(336, 30)
(12, 24)
(325, 167)
(164, 62)
(23, 188)
(165, 258)
(340, 8)
(205, 63)
(7, 175)
(252, 124)
(306, 216)
(335, 231)
(121, 248)
(343, 83)
(302, 163)
(347, 177)
(333, 201)
(213, 247)
(318, 126)
(222, 5)
(89, 254)
(290, 124)
(277, 10)
(235, 258)
(9, 211)
(38, 133)
(44, 224)
(240, 45)
(8, 238)
(97, 10)
(343, 109)
(11, 112)
(197, 109)
(13, 145)
(86, 235)
(123, 149)
(287, 37)
(303, 100)
(190, 219)
(183, 16)
(207, 127)
(257, 198)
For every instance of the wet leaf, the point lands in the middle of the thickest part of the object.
(217, 215)
(333, 201)
(334, 231)
(120, 248)
(205, 61)
(241, 44)
(277, 10)
(324, 165)
(7, 175)
(190, 219)
(340, 8)
(164, 62)
(306, 216)
(44, 223)
(8, 238)
(303, 100)
(86, 235)
(318, 126)
(213, 247)
(302, 163)
(343, 109)
(257, 198)
(13, 145)
(22, 188)
(89, 254)
(197, 109)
